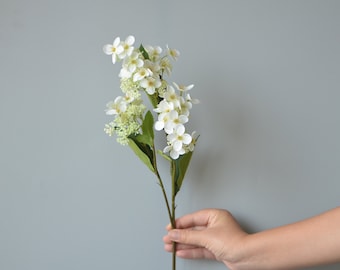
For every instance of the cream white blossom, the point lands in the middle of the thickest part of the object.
(166, 66)
(133, 62)
(154, 52)
(170, 95)
(150, 84)
(177, 140)
(141, 74)
(154, 67)
(117, 106)
(114, 49)
(173, 53)
(164, 107)
(143, 70)
(127, 47)
(169, 121)
(182, 87)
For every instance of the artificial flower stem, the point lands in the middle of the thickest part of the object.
(173, 225)
(160, 182)
(173, 209)
(171, 212)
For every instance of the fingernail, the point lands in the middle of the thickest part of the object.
(174, 235)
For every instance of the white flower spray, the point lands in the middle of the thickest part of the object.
(143, 70)
(142, 73)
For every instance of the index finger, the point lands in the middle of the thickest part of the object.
(197, 219)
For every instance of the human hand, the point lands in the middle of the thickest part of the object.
(206, 234)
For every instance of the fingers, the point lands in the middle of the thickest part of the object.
(189, 237)
(195, 253)
(168, 247)
(190, 244)
(197, 219)
(190, 252)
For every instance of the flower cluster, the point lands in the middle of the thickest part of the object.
(143, 70)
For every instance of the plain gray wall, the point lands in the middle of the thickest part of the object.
(266, 72)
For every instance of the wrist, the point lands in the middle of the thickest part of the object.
(238, 255)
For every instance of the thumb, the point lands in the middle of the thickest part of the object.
(189, 237)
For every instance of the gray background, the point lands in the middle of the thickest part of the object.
(266, 72)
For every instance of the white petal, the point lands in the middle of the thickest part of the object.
(183, 119)
(124, 73)
(177, 146)
(137, 77)
(173, 114)
(119, 49)
(187, 138)
(180, 129)
(116, 42)
(189, 87)
(150, 90)
(111, 112)
(167, 149)
(174, 154)
(107, 49)
(130, 40)
(114, 58)
(171, 137)
(159, 125)
(169, 128)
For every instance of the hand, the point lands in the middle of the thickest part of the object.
(206, 234)
(215, 234)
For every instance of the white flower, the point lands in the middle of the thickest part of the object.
(164, 107)
(173, 52)
(194, 137)
(182, 87)
(141, 74)
(133, 62)
(166, 65)
(169, 121)
(129, 97)
(115, 49)
(127, 47)
(154, 52)
(117, 106)
(186, 104)
(193, 101)
(153, 66)
(150, 84)
(171, 96)
(124, 73)
(177, 141)
(173, 153)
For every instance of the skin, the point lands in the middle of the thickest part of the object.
(215, 234)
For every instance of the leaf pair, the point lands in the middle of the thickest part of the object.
(143, 144)
(178, 169)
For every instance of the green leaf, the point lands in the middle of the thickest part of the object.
(142, 150)
(154, 99)
(160, 152)
(142, 144)
(144, 52)
(147, 126)
(179, 167)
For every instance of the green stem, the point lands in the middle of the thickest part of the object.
(173, 209)
(160, 182)
(171, 212)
